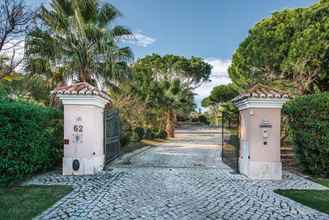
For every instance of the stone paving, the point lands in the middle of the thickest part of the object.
(180, 179)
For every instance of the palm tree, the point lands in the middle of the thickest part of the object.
(77, 38)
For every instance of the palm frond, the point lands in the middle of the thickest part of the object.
(107, 13)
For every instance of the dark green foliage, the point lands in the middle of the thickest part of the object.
(27, 202)
(140, 132)
(308, 118)
(126, 132)
(234, 140)
(149, 134)
(161, 134)
(125, 138)
(203, 119)
(316, 199)
(30, 139)
(220, 94)
(291, 49)
(164, 86)
(93, 22)
(134, 138)
(220, 101)
(230, 112)
(195, 120)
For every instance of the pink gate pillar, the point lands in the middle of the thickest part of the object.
(83, 128)
(260, 127)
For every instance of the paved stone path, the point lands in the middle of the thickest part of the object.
(180, 179)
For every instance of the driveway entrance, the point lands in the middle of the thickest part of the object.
(182, 178)
(192, 148)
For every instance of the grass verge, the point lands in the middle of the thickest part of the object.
(26, 202)
(316, 199)
(322, 181)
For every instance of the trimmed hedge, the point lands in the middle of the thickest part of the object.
(308, 118)
(30, 139)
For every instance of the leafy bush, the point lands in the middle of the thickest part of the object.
(195, 120)
(140, 132)
(30, 139)
(203, 119)
(134, 137)
(161, 134)
(308, 118)
(149, 134)
(125, 131)
(125, 138)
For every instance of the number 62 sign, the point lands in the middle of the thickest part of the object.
(78, 128)
(77, 131)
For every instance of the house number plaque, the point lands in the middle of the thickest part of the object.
(77, 135)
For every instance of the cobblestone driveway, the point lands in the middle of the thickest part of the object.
(181, 179)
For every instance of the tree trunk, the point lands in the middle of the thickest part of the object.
(84, 76)
(170, 124)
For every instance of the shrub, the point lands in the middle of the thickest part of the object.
(125, 138)
(134, 137)
(149, 134)
(140, 132)
(125, 132)
(203, 119)
(30, 139)
(308, 118)
(161, 134)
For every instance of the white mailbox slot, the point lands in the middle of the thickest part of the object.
(266, 128)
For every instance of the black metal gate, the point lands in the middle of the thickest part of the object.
(231, 140)
(111, 134)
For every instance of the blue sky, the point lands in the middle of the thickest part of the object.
(211, 29)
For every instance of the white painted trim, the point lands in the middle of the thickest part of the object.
(253, 102)
(91, 100)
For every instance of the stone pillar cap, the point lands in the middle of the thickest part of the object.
(262, 91)
(261, 96)
(80, 89)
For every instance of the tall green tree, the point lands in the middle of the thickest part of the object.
(219, 101)
(165, 83)
(78, 39)
(192, 72)
(289, 49)
(220, 94)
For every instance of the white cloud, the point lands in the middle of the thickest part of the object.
(140, 39)
(219, 76)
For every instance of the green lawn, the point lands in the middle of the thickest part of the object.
(324, 182)
(317, 199)
(29, 201)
